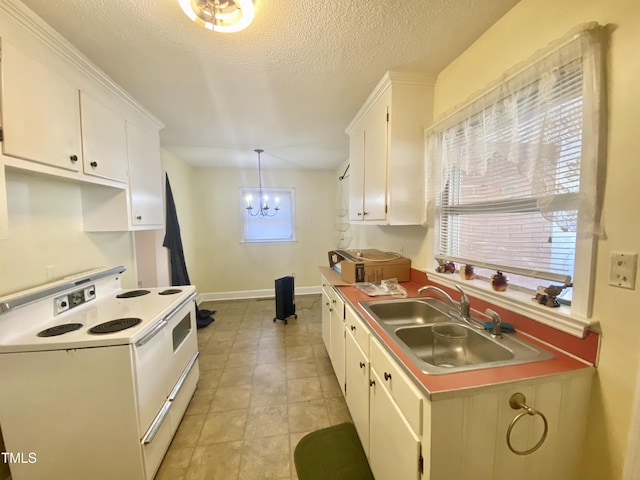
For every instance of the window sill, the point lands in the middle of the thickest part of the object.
(519, 302)
(266, 242)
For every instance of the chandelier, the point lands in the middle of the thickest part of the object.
(263, 209)
(219, 15)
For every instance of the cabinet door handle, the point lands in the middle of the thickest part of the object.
(387, 376)
(94, 164)
(353, 328)
(73, 158)
(372, 383)
(361, 365)
(359, 214)
(365, 213)
(139, 217)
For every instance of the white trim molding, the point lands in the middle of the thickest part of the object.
(251, 294)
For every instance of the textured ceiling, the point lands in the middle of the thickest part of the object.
(290, 83)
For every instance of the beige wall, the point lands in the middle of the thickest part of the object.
(45, 228)
(209, 213)
(530, 26)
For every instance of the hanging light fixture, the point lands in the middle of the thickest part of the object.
(263, 209)
(219, 15)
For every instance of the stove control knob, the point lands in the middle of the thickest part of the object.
(61, 304)
(89, 293)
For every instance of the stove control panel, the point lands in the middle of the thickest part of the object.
(73, 299)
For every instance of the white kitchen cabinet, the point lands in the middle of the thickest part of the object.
(326, 314)
(40, 112)
(394, 450)
(368, 158)
(145, 177)
(104, 140)
(140, 206)
(386, 153)
(357, 390)
(400, 387)
(459, 434)
(337, 341)
(465, 433)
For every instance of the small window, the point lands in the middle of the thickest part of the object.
(267, 228)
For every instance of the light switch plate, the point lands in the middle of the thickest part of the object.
(623, 270)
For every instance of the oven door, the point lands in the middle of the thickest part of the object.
(160, 357)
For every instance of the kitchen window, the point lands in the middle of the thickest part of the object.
(513, 175)
(277, 228)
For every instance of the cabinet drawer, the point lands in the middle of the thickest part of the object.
(402, 390)
(357, 328)
(337, 303)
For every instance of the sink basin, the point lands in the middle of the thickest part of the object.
(409, 311)
(409, 321)
(479, 348)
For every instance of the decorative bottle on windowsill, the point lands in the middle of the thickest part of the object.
(467, 273)
(499, 281)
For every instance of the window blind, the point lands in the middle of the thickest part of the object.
(505, 172)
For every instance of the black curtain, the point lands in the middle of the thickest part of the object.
(173, 241)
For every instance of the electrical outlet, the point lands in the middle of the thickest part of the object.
(623, 270)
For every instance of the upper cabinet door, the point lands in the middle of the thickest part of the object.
(356, 175)
(104, 140)
(375, 160)
(40, 112)
(145, 177)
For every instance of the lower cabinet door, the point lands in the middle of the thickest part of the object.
(326, 320)
(394, 447)
(336, 352)
(357, 394)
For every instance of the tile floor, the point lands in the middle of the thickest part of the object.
(263, 386)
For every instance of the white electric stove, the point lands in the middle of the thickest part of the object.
(95, 378)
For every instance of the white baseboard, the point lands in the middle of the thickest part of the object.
(249, 294)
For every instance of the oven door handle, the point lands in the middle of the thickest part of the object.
(157, 423)
(173, 312)
(154, 331)
(183, 377)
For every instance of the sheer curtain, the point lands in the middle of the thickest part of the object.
(512, 176)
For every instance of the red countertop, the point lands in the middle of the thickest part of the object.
(585, 348)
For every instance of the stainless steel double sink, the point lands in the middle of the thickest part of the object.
(409, 321)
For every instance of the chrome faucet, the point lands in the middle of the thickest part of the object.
(496, 323)
(439, 291)
(464, 306)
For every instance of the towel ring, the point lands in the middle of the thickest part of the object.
(517, 401)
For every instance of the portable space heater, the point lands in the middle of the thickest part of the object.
(285, 304)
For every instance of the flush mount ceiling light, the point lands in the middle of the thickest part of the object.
(263, 209)
(219, 15)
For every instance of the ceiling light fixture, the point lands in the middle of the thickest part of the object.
(263, 209)
(219, 15)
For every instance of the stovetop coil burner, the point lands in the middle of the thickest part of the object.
(115, 325)
(59, 329)
(170, 291)
(133, 293)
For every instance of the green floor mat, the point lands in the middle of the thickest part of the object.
(333, 453)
